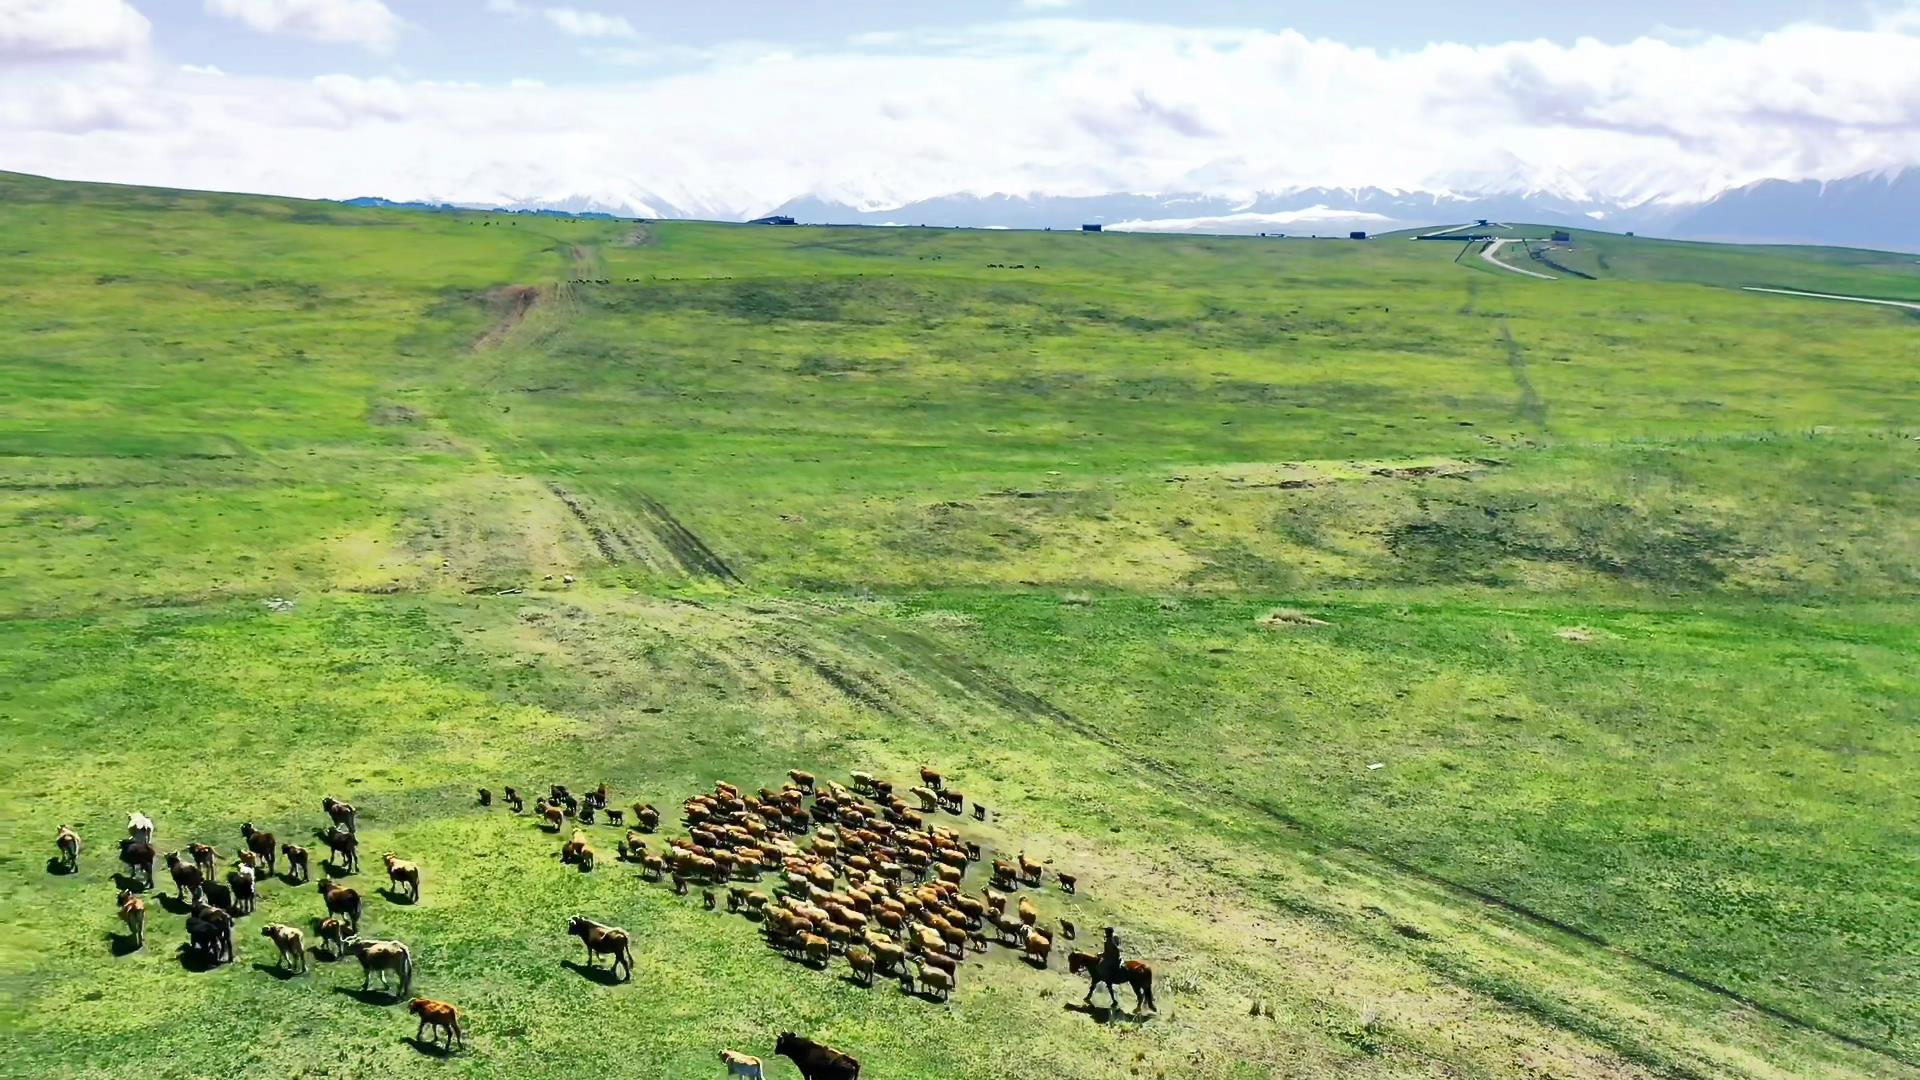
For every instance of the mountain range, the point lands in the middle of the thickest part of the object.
(1874, 210)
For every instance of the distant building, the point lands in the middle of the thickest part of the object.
(1356, 235)
(1562, 236)
(1089, 228)
(774, 219)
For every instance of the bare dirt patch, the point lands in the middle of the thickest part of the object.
(510, 304)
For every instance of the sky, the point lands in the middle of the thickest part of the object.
(728, 108)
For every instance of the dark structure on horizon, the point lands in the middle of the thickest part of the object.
(1089, 228)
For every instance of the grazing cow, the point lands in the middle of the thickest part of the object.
(341, 900)
(205, 857)
(210, 932)
(486, 797)
(133, 912)
(343, 848)
(403, 875)
(439, 1016)
(932, 779)
(240, 881)
(342, 814)
(741, 1066)
(816, 1061)
(260, 843)
(1068, 882)
(291, 943)
(68, 842)
(801, 780)
(335, 933)
(512, 798)
(140, 827)
(188, 882)
(138, 855)
(296, 861)
(551, 814)
(599, 939)
(380, 957)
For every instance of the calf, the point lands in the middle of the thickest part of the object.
(1068, 882)
(260, 843)
(486, 797)
(133, 912)
(741, 1066)
(817, 1061)
(440, 1016)
(205, 857)
(68, 842)
(336, 933)
(188, 882)
(403, 875)
(616, 818)
(343, 848)
(341, 900)
(979, 812)
(297, 866)
(341, 814)
(138, 855)
(210, 932)
(381, 957)
(291, 944)
(512, 798)
(240, 881)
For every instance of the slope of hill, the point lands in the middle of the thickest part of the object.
(1433, 671)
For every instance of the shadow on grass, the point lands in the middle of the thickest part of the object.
(398, 896)
(373, 996)
(130, 883)
(59, 867)
(1103, 1014)
(275, 970)
(196, 960)
(320, 953)
(122, 944)
(854, 980)
(429, 1047)
(286, 877)
(603, 976)
(173, 904)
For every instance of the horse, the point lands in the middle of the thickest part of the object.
(1134, 973)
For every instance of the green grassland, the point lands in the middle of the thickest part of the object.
(1157, 544)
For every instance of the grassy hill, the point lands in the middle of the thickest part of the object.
(1485, 676)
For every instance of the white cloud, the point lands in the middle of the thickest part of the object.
(1046, 5)
(1060, 107)
(70, 29)
(345, 22)
(589, 23)
(202, 69)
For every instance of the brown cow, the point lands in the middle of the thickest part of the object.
(342, 844)
(261, 844)
(441, 1017)
(341, 900)
(138, 855)
(68, 842)
(133, 912)
(341, 813)
(600, 939)
(297, 866)
(380, 957)
(188, 883)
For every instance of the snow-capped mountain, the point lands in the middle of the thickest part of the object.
(1879, 210)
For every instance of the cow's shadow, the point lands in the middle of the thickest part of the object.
(370, 996)
(605, 976)
(198, 961)
(429, 1047)
(59, 867)
(173, 904)
(398, 896)
(130, 883)
(123, 944)
(278, 972)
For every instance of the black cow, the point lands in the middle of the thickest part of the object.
(815, 1061)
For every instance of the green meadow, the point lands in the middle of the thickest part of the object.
(1433, 671)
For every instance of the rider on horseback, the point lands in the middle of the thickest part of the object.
(1111, 970)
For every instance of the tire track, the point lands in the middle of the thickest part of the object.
(1531, 405)
(692, 553)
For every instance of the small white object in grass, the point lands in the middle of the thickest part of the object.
(1376, 765)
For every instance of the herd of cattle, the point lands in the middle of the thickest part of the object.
(858, 873)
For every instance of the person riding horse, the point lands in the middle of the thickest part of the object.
(1111, 969)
